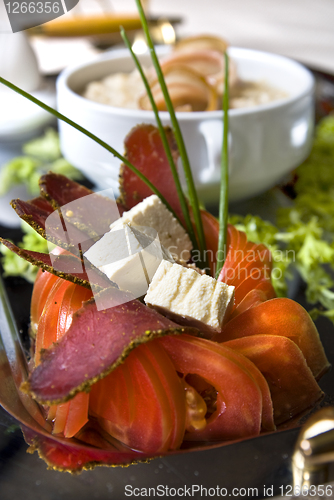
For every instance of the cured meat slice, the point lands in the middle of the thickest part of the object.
(74, 455)
(59, 189)
(50, 224)
(68, 267)
(96, 343)
(90, 212)
(144, 149)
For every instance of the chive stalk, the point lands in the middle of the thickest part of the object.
(194, 203)
(223, 203)
(183, 201)
(91, 136)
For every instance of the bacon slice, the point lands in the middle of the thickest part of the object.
(144, 149)
(68, 267)
(96, 343)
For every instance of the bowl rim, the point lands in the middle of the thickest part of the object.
(62, 87)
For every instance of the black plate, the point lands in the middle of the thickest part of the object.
(245, 469)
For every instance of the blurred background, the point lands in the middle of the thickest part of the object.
(301, 29)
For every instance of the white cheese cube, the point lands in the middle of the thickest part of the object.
(152, 213)
(128, 257)
(189, 297)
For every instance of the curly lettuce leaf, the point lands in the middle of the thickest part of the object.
(40, 156)
(13, 265)
(304, 231)
(46, 148)
(20, 170)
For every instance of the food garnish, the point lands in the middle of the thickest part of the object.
(224, 179)
(169, 148)
(301, 239)
(192, 194)
(128, 381)
(38, 156)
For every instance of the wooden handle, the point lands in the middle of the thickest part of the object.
(87, 25)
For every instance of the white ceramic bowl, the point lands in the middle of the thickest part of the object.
(266, 141)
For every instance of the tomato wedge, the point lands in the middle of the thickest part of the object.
(231, 390)
(61, 303)
(61, 299)
(42, 287)
(142, 402)
(292, 385)
(247, 265)
(262, 292)
(283, 317)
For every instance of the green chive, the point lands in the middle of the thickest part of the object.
(223, 203)
(179, 139)
(183, 202)
(91, 136)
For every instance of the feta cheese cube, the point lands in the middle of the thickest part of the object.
(189, 297)
(152, 213)
(128, 257)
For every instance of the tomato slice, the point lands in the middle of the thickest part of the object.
(211, 233)
(237, 410)
(262, 292)
(42, 287)
(247, 265)
(255, 258)
(61, 299)
(292, 385)
(70, 417)
(142, 402)
(283, 317)
(61, 303)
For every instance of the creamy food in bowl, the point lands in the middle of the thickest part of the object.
(124, 90)
(268, 137)
(194, 72)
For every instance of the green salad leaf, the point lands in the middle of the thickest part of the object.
(39, 156)
(303, 237)
(13, 265)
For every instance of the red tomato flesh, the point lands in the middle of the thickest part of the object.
(61, 300)
(238, 412)
(283, 317)
(142, 402)
(292, 385)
